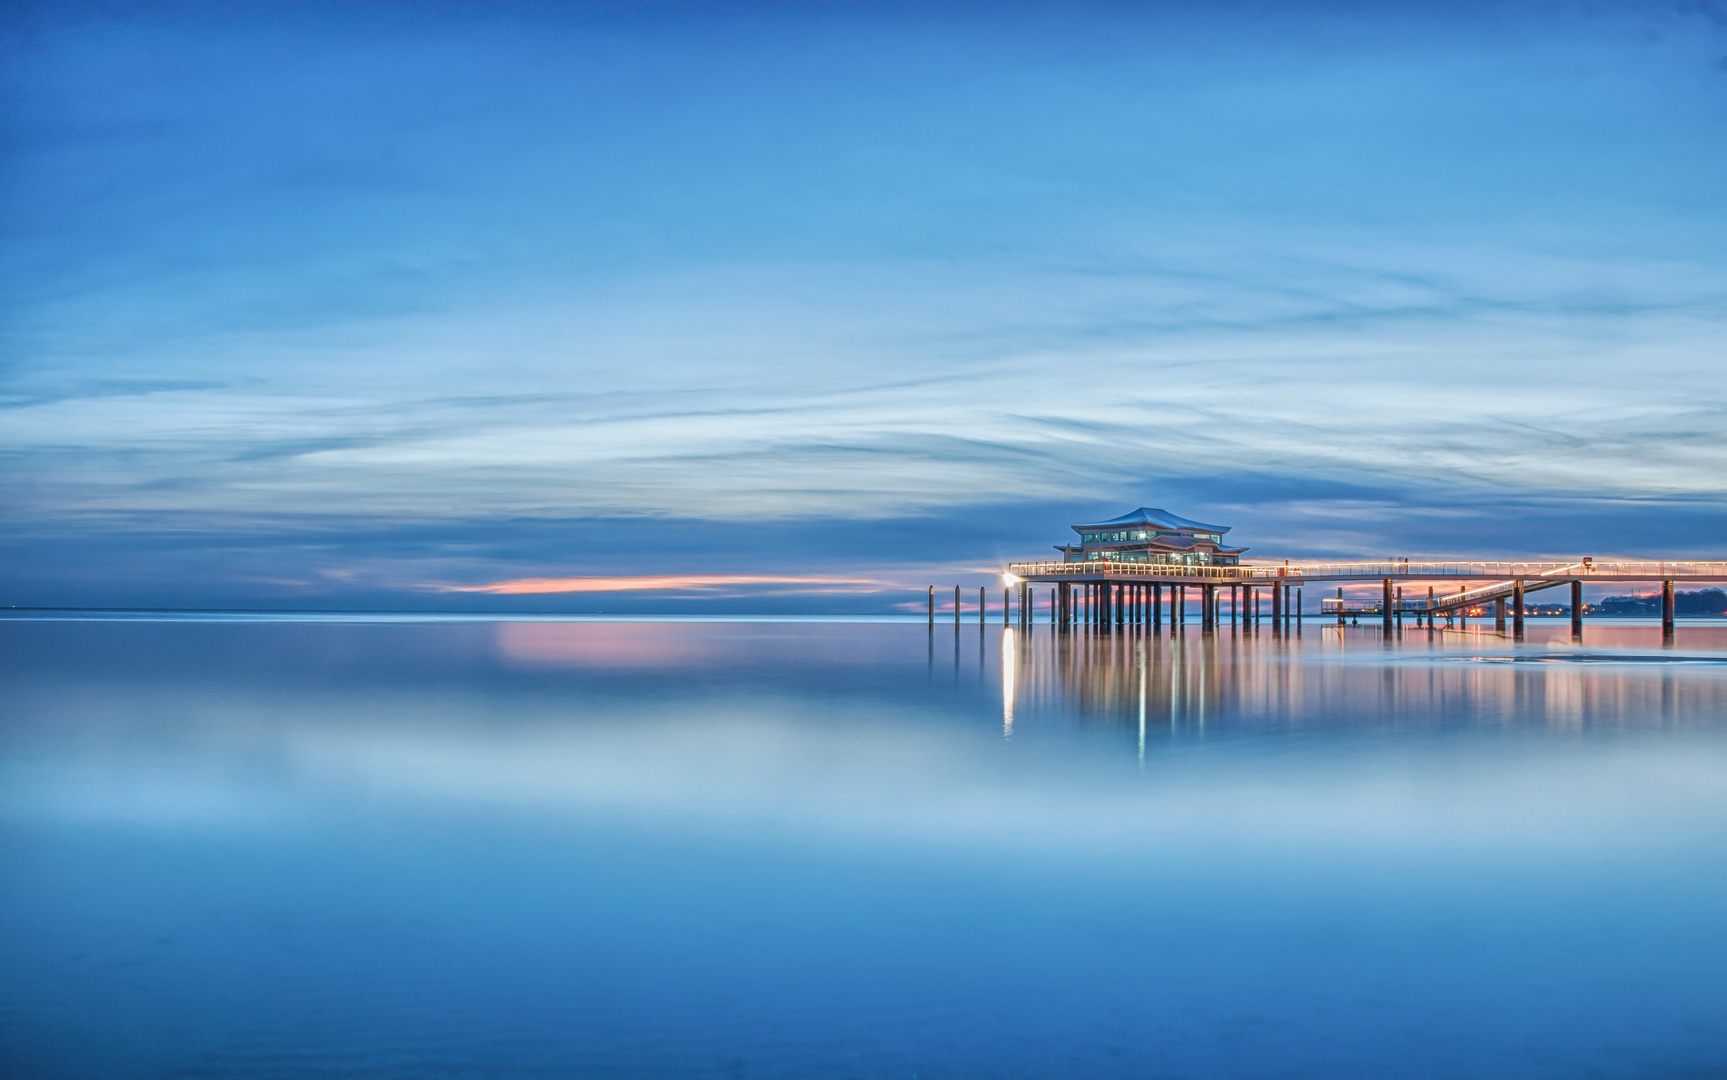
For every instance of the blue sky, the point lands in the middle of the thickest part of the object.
(327, 307)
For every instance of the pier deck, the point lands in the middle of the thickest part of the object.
(1400, 570)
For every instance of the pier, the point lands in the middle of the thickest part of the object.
(1137, 569)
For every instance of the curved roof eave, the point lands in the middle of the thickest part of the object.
(1152, 516)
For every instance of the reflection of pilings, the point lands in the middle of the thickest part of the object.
(1189, 686)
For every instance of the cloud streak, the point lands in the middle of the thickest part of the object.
(653, 583)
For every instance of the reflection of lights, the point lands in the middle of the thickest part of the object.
(1139, 655)
(1009, 671)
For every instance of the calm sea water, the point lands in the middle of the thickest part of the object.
(275, 848)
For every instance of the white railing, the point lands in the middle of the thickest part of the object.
(1637, 569)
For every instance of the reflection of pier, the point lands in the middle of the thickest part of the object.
(1167, 687)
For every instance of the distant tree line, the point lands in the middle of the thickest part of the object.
(1701, 602)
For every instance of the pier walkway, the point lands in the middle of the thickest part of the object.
(1107, 592)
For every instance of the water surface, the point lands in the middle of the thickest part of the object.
(406, 848)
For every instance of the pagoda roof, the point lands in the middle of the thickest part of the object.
(1148, 515)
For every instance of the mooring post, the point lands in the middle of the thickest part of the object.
(1517, 609)
(932, 609)
(1577, 611)
(1667, 611)
(1385, 605)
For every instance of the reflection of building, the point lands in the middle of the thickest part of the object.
(1147, 535)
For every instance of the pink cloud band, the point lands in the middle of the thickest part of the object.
(648, 583)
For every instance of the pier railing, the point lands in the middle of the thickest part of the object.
(1609, 570)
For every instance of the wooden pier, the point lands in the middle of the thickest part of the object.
(1106, 593)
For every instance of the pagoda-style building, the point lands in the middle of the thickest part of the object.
(1154, 536)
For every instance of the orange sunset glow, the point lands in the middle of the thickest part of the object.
(652, 583)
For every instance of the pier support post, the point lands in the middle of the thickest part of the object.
(1576, 611)
(1157, 607)
(1276, 606)
(1462, 612)
(1247, 595)
(1517, 610)
(1298, 607)
(1385, 604)
(982, 606)
(1209, 620)
(1499, 614)
(1400, 607)
(1667, 611)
